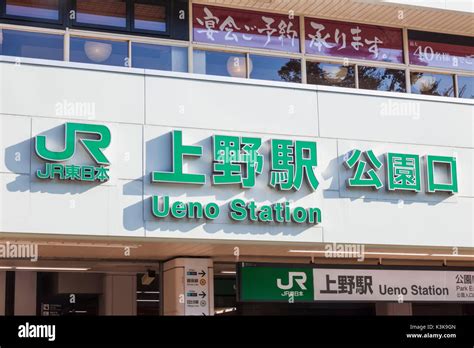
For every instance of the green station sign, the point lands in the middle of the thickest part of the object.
(263, 282)
(280, 284)
(239, 161)
(56, 169)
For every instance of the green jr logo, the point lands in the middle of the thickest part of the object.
(74, 172)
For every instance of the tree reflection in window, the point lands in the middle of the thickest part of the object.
(432, 84)
(291, 71)
(382, 79)
(330, 74)
(466, 87)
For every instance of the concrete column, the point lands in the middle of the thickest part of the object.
(3, 284)
(119, 296)
(25, 293)
(188, 287)
(388, 308)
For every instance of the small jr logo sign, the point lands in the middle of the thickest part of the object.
(298, 277)
(94, 147)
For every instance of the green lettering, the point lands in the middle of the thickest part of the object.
(178, 210)
(164, 212)
(238, 211)
(265, 214)
(195, 210)
(212, 211)
(300, 215)
(252, 207)
(314, 215)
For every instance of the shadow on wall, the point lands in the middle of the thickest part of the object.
(22, 159)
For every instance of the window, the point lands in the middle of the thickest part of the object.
(99, 51)
(31, 45)
(236, 27)
(149, 16)
(353, 40)
(158, 18)
(108, 13)
(330, 74)
(382, 79)
(466, 87)
(159, 57)
(275, 68)
(35, 9)
(220, 63)
(441, 50)
(432, 84)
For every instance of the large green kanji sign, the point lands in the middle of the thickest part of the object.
(238, 160)
(54, 169)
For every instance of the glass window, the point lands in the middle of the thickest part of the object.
(235, 27)
(39, 9)
(330, 74)
(159, 57)
(441, 50)
(353, 40)
(382, 79)
(149, 16)
(111, 13)
(466, 87)
(220, 63)
(432, 84)
(275, 68)
(31, 45)
(98, 51)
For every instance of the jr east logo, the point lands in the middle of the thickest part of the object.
(295, 286)
(55, 167)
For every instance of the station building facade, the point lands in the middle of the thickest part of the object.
(236, 158)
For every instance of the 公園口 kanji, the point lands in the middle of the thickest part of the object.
(403, 172)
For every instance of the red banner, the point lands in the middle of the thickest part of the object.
(351, 40)
(234, 27)
(441, 55)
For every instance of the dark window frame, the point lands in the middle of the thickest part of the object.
(62, 11)
(168, 13)
(129, 19)
(76, 24)
(176, 28)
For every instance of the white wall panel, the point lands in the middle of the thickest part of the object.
(369, 221)
(392, 119)
(15, 144)
(230, 106)
(72, 93)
